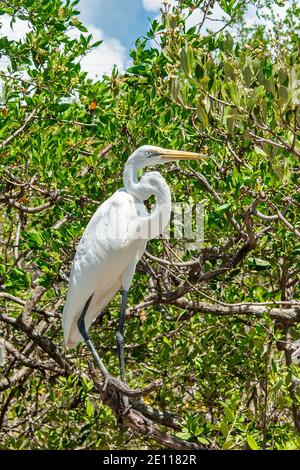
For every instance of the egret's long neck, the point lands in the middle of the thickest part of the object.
(159, 217)
(131, 181)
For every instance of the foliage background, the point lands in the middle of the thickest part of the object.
(221, 331)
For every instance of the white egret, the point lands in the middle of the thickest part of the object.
(112, 244)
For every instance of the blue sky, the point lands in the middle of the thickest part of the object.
(119, 23)
(123, 19)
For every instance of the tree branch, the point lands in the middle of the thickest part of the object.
(29, 118)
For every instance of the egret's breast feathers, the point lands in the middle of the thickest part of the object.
(109, 244)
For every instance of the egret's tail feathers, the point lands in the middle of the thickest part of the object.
(72, 336)
(73, 341)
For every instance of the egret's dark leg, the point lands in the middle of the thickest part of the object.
(87, 339)
(120, 335)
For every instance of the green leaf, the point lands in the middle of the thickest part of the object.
(283, 95)
(81, 27)
(228, 413)
(167, 341)
(255, 96)
(201, 113)
(89, 409)
(199, 72)
(202, 440)
(230, 122)
(228, 42)
(171, 21)
(34, 239)
(289, 377)
(252, 442)
(184, 435)
(136, 69)
(278, 385)
(190, 58)
(228, 444)
(283, 76)
(258, 264)
(224, 207)
(184, 61)
(260, 151)
(229, 70)
(247, 74)
(224, 429)
(96, 44)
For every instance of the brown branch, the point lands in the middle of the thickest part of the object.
(32, 210)
(136, 418)
(260, 139)
(101, 154)
(161, 417)
(6, 383)
(138, 422)
(127, 391)
(42, 341)
(29, 361)
(289, 315)
(62, 222)
(216, 196)
(165, 262)
(284, 220)
(17, 300)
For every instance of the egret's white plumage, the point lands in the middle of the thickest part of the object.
(115, 239)
(102, 262)
(2, 354)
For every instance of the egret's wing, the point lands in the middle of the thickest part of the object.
(109, 244)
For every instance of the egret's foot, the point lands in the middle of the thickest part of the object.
(106, 382)
(127, 408)
(111, 381)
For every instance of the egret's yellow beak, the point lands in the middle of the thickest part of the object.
(173, 155)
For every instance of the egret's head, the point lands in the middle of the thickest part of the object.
(151, 155)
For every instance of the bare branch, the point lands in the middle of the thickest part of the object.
(138, 422)
(32, 210)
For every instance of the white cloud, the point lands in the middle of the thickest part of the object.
(152, 5)
(15, 32)
(217, 16)
(102, 59)
(213, 22)
(252, 19)
(4, 62)
(155, 5)
(98, 62)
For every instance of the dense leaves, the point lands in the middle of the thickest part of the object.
(221, 331)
